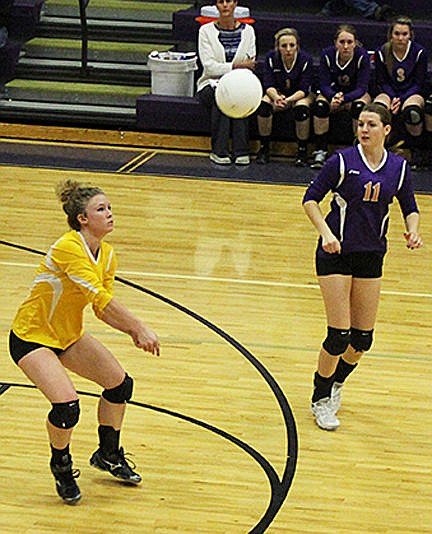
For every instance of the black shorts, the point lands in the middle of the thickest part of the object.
(356, 264)
(18, 348)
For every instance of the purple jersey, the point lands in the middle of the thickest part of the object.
(352, 79)
(401, 77)
(287, 82)
(361, 198)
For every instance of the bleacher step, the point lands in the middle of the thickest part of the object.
(73, 93)
(136, 53)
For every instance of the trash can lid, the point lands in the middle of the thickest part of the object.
(212, 11)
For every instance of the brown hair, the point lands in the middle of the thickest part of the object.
(379, 109)
(75, 197)
(349, 28)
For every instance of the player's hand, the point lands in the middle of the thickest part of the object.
(413, 240)
(395, 105)
(147, 340)
(331, 245)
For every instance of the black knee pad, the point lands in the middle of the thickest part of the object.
(428, 105)
(321, 109)
(64, 414)
(361, 340)
(121, 393)
(301, 113)
(337, 341)
(412, 115)
(356, 108)
(265, 110)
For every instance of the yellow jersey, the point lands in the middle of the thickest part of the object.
(68, 279)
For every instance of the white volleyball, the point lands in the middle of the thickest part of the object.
(238, 93)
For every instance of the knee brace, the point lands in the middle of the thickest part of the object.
(337, 341)
(121, 393)
(321, 109)
(361, 340)
(301, 113)
(356, 108)
(64, 414)
(265, 110)
(412, 115)
(428, 105)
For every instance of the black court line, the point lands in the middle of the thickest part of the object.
(174, 164)
(279, 487)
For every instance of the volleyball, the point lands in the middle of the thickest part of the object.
(238, 93)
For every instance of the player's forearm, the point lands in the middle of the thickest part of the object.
(412, 222)
(119, 317)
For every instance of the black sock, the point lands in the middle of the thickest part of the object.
(60, 456)
(322, 387)
(265, 141)
(109, 439)
(321, 142)
(302, 145)
(343, 369)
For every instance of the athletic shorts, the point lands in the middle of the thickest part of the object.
(355, 264)
(18, 348)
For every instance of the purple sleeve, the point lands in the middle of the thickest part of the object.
(382, 76)
(363, 76)
(405, 195)
(325, 78)
(326, 180)
(268, 77)
(307, 76)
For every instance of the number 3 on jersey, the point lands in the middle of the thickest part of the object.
(372, 192)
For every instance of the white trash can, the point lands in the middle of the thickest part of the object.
(172, 73)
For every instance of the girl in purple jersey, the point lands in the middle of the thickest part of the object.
(287, 81)
(364, 181)
(343, 85)
(401, 70)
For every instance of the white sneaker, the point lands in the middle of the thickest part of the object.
(324, 415)
(242, 160)
(220, 160)
(319, 157)
(335, 396)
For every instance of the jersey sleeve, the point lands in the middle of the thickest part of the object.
(70, 258)
(327, 179)
(405, 194)
(325, 80)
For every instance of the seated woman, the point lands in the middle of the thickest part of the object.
(287, 80)
(401, 70)
(224, 45)
(343, 85)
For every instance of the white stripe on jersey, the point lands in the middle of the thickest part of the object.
(57, 288)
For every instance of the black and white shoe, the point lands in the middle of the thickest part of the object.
(117, 465)
(65, 477)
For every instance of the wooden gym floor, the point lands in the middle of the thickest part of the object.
(220, 426)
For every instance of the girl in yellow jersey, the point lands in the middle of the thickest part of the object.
(47, 336)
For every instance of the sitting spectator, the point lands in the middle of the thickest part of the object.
(224, 45)
(287, 80)
(343, 85)
(401, 70)
(366, 8)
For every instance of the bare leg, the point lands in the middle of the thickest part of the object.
(44, 369)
